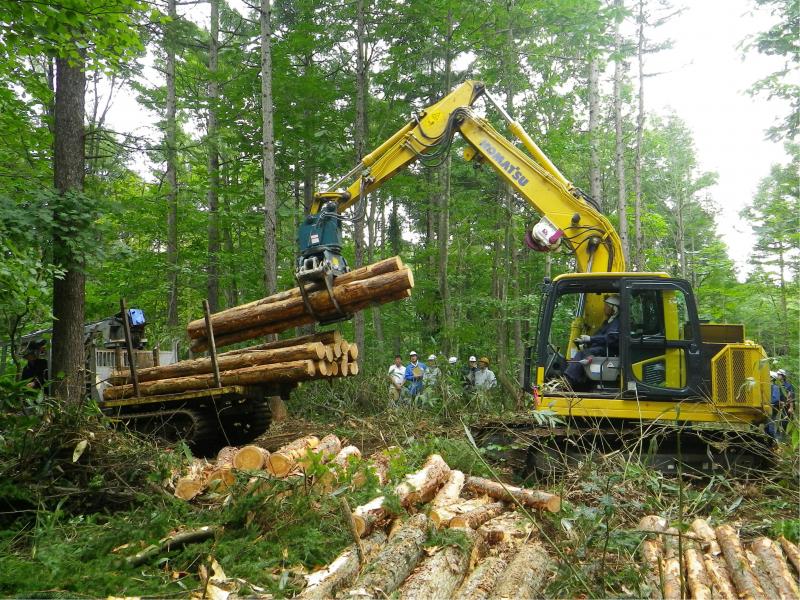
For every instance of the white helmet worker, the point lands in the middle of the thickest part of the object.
(473, 359)
(782, 372)
(452, 360)
(432, 357)
(612, 299)
(773, 374)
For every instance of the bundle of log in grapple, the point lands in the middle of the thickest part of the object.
(285, 361)
(716, 563)
(500, 556)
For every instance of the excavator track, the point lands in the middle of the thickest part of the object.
(547, 452)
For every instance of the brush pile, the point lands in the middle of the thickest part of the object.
(492, 554)
(287, 361)
(715, 563)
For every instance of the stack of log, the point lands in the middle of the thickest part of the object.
(716, 563)
(291, 360)
(385, 281)
(499, 557)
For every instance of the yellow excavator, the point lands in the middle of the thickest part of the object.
(669, 386)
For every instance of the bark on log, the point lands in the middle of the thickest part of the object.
(721, 583)
(281, 462)
(328, 338)
(395, 562)
(671, 578)
(326, 582)
(747, 586)
(242, 316)
(441, 516)
(188, 487)
(770, 554)
(250, 457)
(762, 576)
(505, 528)
(478, 516)
(438, 576)
(201, 344)
(199, 366)
(347, 294)
(225, 456)
(791, 552)
(450, 491)
(299, 370)
(367, 516)
(525, 576)
(697, 579)
(529, 498)
(328, 448)
(481, 582)
(421, 486)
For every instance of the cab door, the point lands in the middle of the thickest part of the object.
(662, 338)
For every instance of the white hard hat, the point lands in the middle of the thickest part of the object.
(773, 374)
(781, 372)
(412, 353)
(472, 359)
(452, 360)
(432, 357)
(613, 299)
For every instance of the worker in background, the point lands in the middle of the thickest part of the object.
(414, 373)
(468, 374)
(36, 369)
(604, 342)
(787, 399)
(397, 378)
(432, 374)
(774, 423)
(484, 377)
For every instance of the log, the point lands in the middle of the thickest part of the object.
(298, 370)
(172, 542)
(441, 516)
(438, 576)
(394, 562)
(770, 554)
(188, 487)
(334, 369)
(652, 523)
(220, 480)
(652, 552)
(245, 315)
(199, 366)
(347, 294)
(328, 338)
(376, 464)
(352, 352)
(791, 552)
(251, 457)
(528, 498)
(478, 516)
(367, 516)
(762, 576)
(671, 578)
(721, 583)
(506, 528)
(450, 491)
(201, 344)
(344, 363)
(225, 456)
(421, 486)
(697, 578)
(346, 457)
(281, 462)
(326, 582)
(481, 582)
(328, 448)
(747, 586)
(526, 574)
(352, 369)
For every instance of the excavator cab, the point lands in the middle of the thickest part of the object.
(655, 352)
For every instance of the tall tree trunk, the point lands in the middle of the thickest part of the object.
(268, 154)
(443, 234)
(372, 231)
(231, 285)
(638, 255)
(213, 163)
(619, 153)
(172, 168)
(69, 289)
(360, 148)
(595, 189)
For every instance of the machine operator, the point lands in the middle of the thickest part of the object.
(604, 342)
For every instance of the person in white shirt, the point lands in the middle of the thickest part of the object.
(484, 377)
(397, 378)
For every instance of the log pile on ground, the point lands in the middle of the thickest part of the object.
(315, 356)
(385, 281)
(494, 552)
(716, 563)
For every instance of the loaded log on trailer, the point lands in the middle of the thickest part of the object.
(224, 398)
